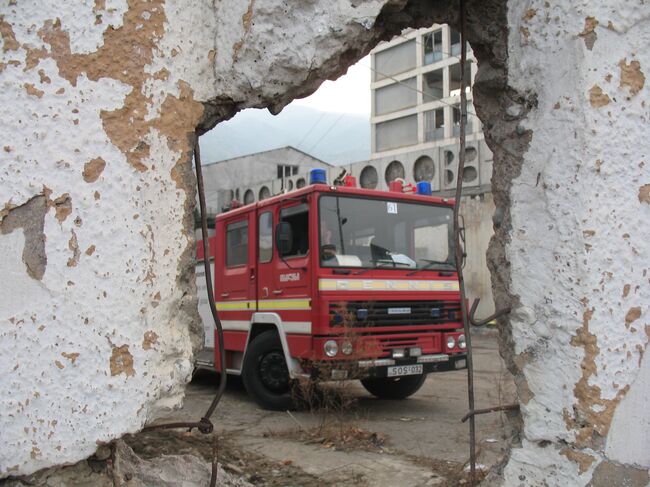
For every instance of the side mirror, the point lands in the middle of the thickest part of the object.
(283, 237)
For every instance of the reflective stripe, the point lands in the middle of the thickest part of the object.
(265, 304)
(235, 305)
(385, 285)
(287, 326)
(297, 326)
(284, 304)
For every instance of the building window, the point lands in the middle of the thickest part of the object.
(265, 243)
(396, 96)
(432, 47)
(298, 217)
(285, 171)
(456, 120)
(432, 86)
(395, 133)
(454, 42)
(237, 244)
(434, 125)
(395, 60)
(454, 79)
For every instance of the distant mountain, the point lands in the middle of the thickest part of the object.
(337, 138)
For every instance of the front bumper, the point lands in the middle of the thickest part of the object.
(377, 368)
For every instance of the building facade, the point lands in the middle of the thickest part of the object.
(255, 177)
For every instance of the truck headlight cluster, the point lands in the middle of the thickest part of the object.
(461, 342)
(451, 343)
(347, 348)
(331, 348)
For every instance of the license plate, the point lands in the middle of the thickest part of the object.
(400, 370)
(399, 311)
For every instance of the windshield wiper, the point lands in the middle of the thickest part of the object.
(381, 261)
(429, 265)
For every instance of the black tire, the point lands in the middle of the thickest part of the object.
(265, 373)
(394, 387)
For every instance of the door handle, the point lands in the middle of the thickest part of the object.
(252, 274)
(225, 295)
(278, 291)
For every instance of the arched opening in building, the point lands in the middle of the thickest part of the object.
(369, 177)
(424, 169)
(394, 170)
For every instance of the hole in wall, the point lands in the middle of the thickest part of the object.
(249, 197)
(470, 154)
(424, 169)
(449, 176)
(264, 193)
(301, 183)
(394, 170)
(449, 157)
(469, 174)
(369, 177)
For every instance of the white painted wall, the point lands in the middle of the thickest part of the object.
(102, 342)
(580, 241)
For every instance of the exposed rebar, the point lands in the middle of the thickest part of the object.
(458, 245)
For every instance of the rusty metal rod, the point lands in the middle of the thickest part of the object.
(485, 321)
(458, 245)
(505, 407)
(204, 425)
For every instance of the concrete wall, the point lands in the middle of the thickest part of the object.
(96, 197)
(579, 242)
(98, 314)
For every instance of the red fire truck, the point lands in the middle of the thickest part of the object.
(336, 282)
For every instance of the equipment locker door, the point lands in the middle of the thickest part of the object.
(236, 290)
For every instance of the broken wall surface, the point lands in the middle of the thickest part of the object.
(578, 245)
(101, 98)
(98, 313)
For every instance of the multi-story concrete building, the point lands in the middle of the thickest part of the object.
(415, 115)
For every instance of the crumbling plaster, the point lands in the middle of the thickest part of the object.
(104, 98)
(101, 102)
(578, 242)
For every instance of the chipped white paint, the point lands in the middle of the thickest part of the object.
(580, 239)
(75, 371)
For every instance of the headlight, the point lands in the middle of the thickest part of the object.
(451, 343)
(461, 342)
(346, 348)
(331, 348)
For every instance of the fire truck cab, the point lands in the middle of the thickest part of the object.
(337, 283)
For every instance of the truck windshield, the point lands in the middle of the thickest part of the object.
(372, 233)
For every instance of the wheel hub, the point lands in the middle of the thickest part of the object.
(274, 372)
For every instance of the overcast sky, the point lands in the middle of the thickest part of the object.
(348, 94)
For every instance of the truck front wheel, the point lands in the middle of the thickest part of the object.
(394, 387)
(265, 373)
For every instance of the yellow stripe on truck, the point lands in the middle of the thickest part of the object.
(265, 304)
(284, 304)
(235, 305)
(385, 285)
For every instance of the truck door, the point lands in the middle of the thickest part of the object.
(235, 289)
(284, 289)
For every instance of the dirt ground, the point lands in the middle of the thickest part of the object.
(417, 442)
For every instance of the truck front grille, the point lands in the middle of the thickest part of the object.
(393, 313)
